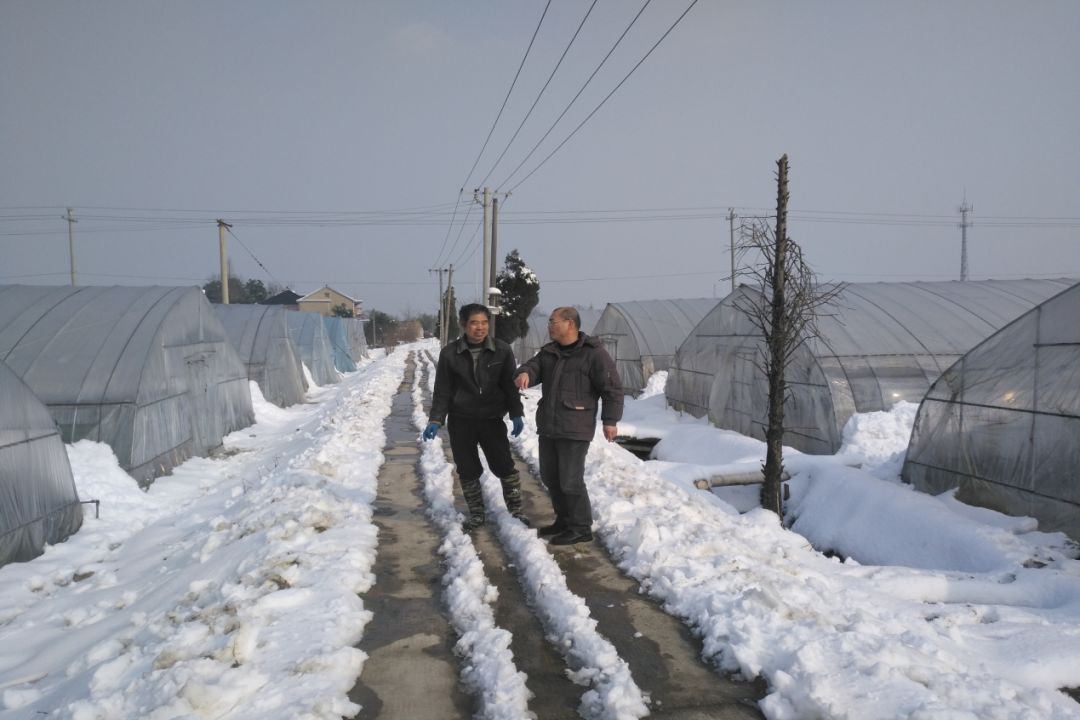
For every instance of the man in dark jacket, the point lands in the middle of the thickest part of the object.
(576, 373)
(474, 388)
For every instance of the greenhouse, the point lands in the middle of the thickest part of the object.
(643, 336)
(537, 335)
(260, 334)
(38, 501)
(1003, 423)
(337, 333)
(308, 333)
(147, 370)
(877, 344)
(354, 328)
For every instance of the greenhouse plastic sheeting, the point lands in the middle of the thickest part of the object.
(877, 344)
(147, 370)
(1003, 423)
(354, 328)
(38, 501)
(308, 333)
(643, 336)
(338, 334)
(260, 335)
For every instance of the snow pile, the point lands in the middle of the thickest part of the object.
(229, 589)
(878, 441)
(567, 622)
(840, 639)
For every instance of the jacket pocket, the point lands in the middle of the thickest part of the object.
(579, 404)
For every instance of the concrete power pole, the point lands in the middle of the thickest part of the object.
(222, 225)
(446, 301)
(70, 217)
(485, 263)
(494, 262)
(964, 225)
(731, 232)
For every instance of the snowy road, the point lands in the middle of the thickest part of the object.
(244, 587)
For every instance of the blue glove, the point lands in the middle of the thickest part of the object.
(431, 431)
(519, 425)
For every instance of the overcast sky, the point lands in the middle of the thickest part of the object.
(305, 124)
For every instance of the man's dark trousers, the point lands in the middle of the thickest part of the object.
(490, 434)
(562, 468)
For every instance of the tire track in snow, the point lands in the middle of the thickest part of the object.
(612, 694)
(489, 670)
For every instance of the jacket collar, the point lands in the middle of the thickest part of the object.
(463, 344)
(583, 339)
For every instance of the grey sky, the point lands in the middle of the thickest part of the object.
(291, 120)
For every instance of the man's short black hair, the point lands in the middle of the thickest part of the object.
(467, 311)
(571, 314)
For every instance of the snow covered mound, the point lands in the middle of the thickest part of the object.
(879, 440)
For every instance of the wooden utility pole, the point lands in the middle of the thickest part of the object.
(777, 343)
(70, 217)
(222, 226)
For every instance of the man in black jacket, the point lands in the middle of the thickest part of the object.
(474, 388)
(576, 373)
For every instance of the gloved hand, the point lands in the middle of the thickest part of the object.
(431, 431)
(519, 425)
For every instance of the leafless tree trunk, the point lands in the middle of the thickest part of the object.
(784, 312)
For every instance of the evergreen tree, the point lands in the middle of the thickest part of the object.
(520, 290)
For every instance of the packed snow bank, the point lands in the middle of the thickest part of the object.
(228, 590)
(977, 634)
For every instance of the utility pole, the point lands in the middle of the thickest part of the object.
(964, 225)
(70, 217)
(446, 301)
(494, 258)
(485, 263)
(442, 304)
(222, 225)
(731, 232)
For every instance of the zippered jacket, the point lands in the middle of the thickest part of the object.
(488, 391)
(575, 380)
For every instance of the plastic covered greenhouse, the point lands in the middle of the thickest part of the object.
(147, 370)
(877, 344)
(357, 341)
(1003, 423)
(308, 333)
(337, 332)
(38, 501)
(260, 334)
(643, 336)
(537, 335)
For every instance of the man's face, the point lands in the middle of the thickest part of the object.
(560, 329)
(476, 330)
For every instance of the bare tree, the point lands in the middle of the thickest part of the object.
(785, 312)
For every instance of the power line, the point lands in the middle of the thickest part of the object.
(505, 99)
(574, 99)
(269, 274)
(541, 93)
(589, 116)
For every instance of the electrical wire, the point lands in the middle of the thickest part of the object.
(574, 99)
(508, 92)
(540, 94)
(589, 116)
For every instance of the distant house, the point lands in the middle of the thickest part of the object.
(285, 298)
(325, 299)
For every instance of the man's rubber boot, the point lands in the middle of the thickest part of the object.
(474, 500)
(511, 487)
